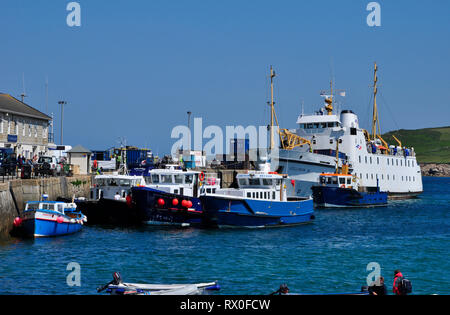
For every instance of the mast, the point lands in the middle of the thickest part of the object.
(272, 109)
(329, 100)
(375, 121)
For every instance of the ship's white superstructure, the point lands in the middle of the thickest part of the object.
(397, 172)
(368, 157)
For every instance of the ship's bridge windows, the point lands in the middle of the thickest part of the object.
(349, 181)
(189, 179)
(316, 125)
(243, 182)
(178, 179)
(323, 125)
(334, 180)
(124, 182)
(112, 182)
(166, 179)
(267, 182)
(309, 126)
(341, 181)
(253, 182)
(155, 179)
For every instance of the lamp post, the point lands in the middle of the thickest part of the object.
(189, 120)
(62, 103)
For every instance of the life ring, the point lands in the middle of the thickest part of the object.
(201, 176)
(342, 186)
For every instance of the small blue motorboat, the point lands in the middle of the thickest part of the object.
(343, 190)
(260, 201)
(48, 219)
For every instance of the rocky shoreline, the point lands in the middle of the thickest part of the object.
(435, 170)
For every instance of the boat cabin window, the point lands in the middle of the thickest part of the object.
(349, 181)
(100, 182)
(341, 180)
(124, 182)
(249, 195)
(273, 195)
(243, 182)
(253, 182)
(267, 182)
(178, 179)
(189, 179)
(32, 206)
(334, 180)
(111, 182)
(60, 207)
(155, 179)
(166, 179)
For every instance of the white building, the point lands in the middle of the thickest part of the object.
(22, 127)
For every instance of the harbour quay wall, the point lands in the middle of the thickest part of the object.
(15, 194)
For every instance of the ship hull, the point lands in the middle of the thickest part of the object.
(230, 212)
(305, 168)
(146, 201)
(335, 197)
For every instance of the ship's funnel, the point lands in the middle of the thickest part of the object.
(349, 119)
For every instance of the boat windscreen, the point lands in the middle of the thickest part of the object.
(166, 179)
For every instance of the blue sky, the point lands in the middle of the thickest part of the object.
(134, 68)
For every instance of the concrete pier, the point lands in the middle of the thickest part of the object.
(15, 193)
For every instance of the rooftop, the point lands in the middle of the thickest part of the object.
(11, 105)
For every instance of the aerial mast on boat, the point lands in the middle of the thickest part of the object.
(272, 109)
(375, 121)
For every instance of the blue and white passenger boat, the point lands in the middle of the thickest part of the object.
(171, 196)
(342, 190)
(49, 218)
(260, 201)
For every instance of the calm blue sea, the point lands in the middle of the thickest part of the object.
(330, 255)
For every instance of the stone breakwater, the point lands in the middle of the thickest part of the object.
(15, 193)
(436, 170)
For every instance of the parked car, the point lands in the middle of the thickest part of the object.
(47, 166)
(8, 164)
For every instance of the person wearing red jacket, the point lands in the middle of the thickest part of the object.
(397, 283)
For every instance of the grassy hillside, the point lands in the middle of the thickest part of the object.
(432, 145)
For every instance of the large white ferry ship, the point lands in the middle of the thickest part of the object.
(324, 142)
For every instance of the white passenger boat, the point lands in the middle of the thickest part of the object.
(310, 150)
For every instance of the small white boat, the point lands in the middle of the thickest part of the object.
(117, 287)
